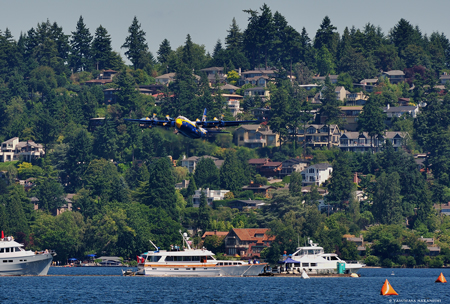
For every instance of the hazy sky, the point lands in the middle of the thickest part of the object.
(208, 20)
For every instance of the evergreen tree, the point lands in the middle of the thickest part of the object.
(15, 210)
(80, 57)
(188, 53)
(206, 174)
(164, 52)
(105, 140)
(231, 174)
(136, 44)
(101, 49)
(127, 95)
(341, 182)
(233, 41)
(295, 184)
(326, 36)
(387, 207)
(371, 119)
(203, 212)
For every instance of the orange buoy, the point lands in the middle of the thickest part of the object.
(441, 279)
(387, 290)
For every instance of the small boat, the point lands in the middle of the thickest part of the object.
(18, 261)
(392, 273)
(304, 274)
(127, 272)
(192, 262)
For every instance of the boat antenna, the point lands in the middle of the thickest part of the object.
(157, 249)
(185, 239)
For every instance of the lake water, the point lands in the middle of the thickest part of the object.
(106, 285)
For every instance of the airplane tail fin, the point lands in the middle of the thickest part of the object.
(204, 115)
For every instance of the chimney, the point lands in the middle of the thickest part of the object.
(239, 72)
(355, 178)
(388, 106)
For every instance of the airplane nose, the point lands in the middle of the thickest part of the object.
(178, 123)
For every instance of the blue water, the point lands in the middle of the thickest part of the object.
(106, 285)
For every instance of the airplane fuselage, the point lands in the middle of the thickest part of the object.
(189, 128)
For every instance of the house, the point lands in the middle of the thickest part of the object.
(292, 165)
(13, 149)
(255, 136)
(247, 243)
(367, 84)
(229, 89)
(165, 79)
(257, 163)
(265, 74)
(182, 185)
(333, 78)
(392, 112)
(233, 102)
(394, 76)
(356, 99)
(258, 91)
(271, 169)
(433, 248)
(261, 190)
(215, 74)
(319, 135)
(358, 241)
(211, 195)
(261, 113)
(309, 87)
(110, 261)
(243, 204)
(340, 92)
(260, 81)
(104, 78)
(316, 174)
(362, 142)
(67, 205)
(444, 78)
(191, 162)
(350, 116)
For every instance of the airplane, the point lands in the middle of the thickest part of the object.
(188, 128)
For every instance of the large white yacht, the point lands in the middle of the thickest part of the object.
(14, 260)
(314, 260)
(192, 262)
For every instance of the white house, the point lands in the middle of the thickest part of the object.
(13, 149)
(211, 195)
(316, 174)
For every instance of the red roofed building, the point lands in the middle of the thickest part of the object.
(257, 163)
(247, 243)
(211, 233)
(271, 169)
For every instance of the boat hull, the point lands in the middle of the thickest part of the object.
(36, 264)
(201, 271)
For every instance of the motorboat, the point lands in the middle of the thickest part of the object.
(15, 260)
(313, 260)
(186, 261)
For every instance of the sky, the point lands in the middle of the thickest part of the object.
(208, 20)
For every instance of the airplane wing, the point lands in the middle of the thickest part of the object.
(222, 123)
(149, 122)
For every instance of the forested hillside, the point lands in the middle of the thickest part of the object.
(123, 179)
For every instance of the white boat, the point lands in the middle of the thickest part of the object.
(313, 260)
(192, 262)
(14, 260)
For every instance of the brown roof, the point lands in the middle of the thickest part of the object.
(273, 164)
(258, 161)
(249, 234)
(218, 233)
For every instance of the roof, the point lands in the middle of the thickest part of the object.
(338, 88)
(395, 73)
(400, 109)
(211, 233)
(258, 187)
(249, 234)
(258, 161)
(273, 164)
(256, 89)
(370, 80)
(351, 108)
(249, 127)
(228, 87)
(164, 76)
(212, 69)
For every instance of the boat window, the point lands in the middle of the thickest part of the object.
(313, 264)
(310, 251)
(305, 264)
(154, 258)
(333, 258)
(177, 258)
(188, 268)
(2, 250)
(10, 261)
(210, 258)
(6, 249)
(235, 263)
(219, 264)
(5, 261)
(175, 269)
(169, 258)
(187, 258)
(297, 265)
(17, 249)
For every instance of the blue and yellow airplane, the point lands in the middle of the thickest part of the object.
(191, 129)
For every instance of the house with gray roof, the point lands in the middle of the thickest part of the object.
(255, 136)
(319, 135)
(444, 78)
(13, 149)
(362, 142)
(392, 112)
(394, 76)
